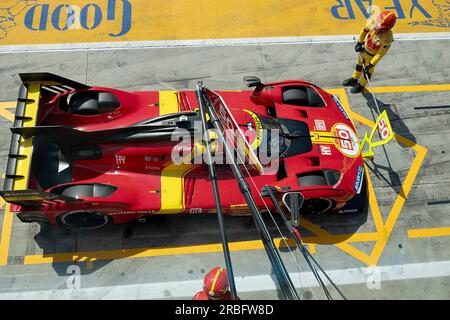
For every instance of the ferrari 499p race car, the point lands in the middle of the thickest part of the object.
(83, 156)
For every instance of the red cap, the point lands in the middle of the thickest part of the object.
(385, 21)
(215, 283)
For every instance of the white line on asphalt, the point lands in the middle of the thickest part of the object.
(186, 289)
(123, 45)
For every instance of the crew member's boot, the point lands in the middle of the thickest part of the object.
(357, 89)
(350, 82)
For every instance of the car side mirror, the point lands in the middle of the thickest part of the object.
(251, 81)
(293, 201)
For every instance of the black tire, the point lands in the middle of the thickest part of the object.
(296, 97)
(83, 220)
(312, 180)
(316, 206)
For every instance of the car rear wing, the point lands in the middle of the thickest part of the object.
(20, 149)
(34, 198)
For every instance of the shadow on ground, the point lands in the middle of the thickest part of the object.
(385, 172)
(166, 231)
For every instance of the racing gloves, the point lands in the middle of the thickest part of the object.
(359, 47)
(367, 69)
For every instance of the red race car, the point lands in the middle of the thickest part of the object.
(84, 156)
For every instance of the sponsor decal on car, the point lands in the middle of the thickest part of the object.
(341, 107)
(115, 213)
(120, 159)
(258, 129)
(359, 180)
(320, 125)
(325, 150)
(346, 140)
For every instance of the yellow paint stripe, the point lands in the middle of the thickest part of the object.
(344, 246)
(202, 19)
(430, 232)
(6, 236)
(376, 213)
(409, 180)
(6, 114)
(168, 102)
(172, 188)
(401, 197)
(312, 248)
(184, 250)
(334, 91)
(418, 88)
(8, 105)
(395, 89)
(344, 100)
(320, 137)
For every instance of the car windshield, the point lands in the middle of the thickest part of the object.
(273, 136)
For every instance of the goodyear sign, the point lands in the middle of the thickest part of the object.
(70, 21)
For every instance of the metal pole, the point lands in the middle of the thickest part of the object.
(280, 271)
(213, 177)
(296, 235)
(368, 78)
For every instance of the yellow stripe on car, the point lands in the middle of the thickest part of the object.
(168, 102)
(26, 145)
(320, 137)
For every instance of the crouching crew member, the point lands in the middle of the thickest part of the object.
(374, 42)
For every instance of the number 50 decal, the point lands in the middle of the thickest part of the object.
(384, 127)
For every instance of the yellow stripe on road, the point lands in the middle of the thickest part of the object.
(168, 102)
(185, 250)
(428, 233)
(4, 112)
(6, 236)
(418, 88)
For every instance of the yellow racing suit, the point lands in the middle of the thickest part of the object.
(376, 45)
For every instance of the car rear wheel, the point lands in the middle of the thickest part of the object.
(316, 206)
(84, 220)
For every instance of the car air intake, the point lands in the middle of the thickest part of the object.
(85, 190)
